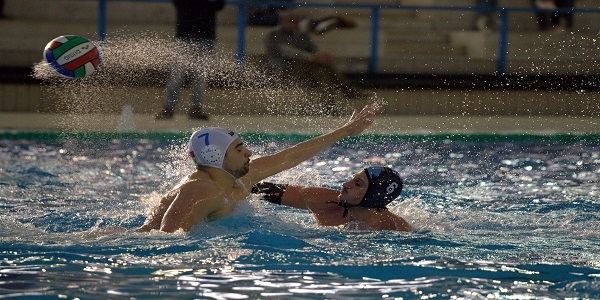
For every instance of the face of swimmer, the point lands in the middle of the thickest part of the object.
(354, 190)
(237, 159)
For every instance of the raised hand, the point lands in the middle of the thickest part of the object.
(360, 120)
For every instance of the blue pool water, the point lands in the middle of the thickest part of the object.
(495, 217)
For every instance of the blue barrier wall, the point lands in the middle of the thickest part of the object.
(243, 6)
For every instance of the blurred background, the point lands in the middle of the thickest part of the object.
(423, 57)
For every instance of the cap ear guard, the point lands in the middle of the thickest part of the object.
(210, 154)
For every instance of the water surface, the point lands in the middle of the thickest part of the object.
(495, 216)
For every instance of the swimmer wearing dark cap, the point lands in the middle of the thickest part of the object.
(362, 200)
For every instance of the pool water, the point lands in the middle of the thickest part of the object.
(495, 217)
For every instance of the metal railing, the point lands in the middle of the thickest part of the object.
(243, 7)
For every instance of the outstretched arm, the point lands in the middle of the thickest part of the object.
(266, 166)
(303, 197)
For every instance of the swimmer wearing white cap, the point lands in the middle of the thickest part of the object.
(361, 201)
(225, 174)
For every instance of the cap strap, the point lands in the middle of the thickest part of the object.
(342, 204)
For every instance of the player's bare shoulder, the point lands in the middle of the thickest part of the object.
(198, 189)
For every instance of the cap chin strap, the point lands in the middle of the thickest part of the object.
(237, 180)
(241, 184)
(343, 204)
(346, 206)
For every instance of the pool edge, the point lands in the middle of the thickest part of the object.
(540, 125)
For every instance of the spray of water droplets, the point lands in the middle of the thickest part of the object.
(136, 67)
(558, 53)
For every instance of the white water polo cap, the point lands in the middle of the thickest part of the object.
(208, 146)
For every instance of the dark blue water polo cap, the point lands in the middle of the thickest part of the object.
(385, 186)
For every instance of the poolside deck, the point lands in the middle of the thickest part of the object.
(397, 124)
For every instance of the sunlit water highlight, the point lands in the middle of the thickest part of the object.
(495, 216)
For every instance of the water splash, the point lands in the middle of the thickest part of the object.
(135, 68)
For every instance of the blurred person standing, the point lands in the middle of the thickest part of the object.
(195, 37)
(565, 11)
(2, 15)
(542, 16)
(291, 54)
(486, 17)
(266, 14)
(269, 15)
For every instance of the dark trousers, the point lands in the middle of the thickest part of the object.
(568, 16)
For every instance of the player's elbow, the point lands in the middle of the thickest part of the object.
(172, 225)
